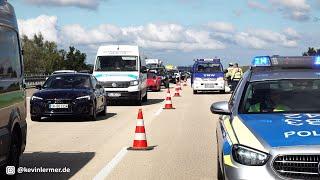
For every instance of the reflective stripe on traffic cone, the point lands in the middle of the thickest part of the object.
(140, 139)
(177, 92)
(168, 104)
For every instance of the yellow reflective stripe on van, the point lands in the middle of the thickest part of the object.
(227, 161)
(245, 136)
(231, 135)
(10, 98)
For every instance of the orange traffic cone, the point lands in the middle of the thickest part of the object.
(177, 92)
(140, 139)
(168, 104)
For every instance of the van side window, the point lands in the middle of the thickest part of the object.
(10, 66)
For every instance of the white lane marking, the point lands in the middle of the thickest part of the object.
(111, 165)
(159, 111)
(117, 159)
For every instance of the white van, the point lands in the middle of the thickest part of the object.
(122, 72)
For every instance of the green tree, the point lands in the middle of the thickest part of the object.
(75, 60)
(41, 56)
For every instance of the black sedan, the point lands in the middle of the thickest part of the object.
(71, 94)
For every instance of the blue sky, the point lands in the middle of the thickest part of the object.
(177, 30)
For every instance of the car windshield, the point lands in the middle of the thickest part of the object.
(151, 75)
(117, 63)
(281, 96)
(208, 68)
(67, 82)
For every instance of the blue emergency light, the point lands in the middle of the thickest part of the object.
(262, 61)
(317, 60)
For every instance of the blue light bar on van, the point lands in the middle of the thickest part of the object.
(317, 60)
(215, 61)
(261, 61)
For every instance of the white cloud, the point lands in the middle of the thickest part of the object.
(152, 36)
(47, 25)
(89, 4)
(291, 33)
(221, 26)
(298, 10)
(257, 5)
(170, 37)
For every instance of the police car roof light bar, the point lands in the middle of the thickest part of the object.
(216, 61)
(261, 61)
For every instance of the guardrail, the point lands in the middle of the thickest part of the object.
(33, 80)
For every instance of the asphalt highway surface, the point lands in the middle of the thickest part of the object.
(183, 140)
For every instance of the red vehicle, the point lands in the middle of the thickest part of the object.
(154, 82)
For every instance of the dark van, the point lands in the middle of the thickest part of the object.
(13, 126)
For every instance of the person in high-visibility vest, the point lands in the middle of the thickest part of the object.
(272, 104)
(235, 76)
(229, 73)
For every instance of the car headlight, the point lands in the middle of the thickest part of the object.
(36, 98)
(248, 156)
(134, 83)
(83, 97)
(220, 79)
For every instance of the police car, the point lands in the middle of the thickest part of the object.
(270, 128)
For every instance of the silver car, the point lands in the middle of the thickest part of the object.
(270, 128)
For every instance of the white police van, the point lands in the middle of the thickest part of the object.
(207, 75)
(122, 72)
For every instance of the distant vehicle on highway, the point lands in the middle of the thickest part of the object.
(122, 72)
(64, 71)
(13, 125)
(269, 129)
(207, 75)
(154, 81)
(174, 75)
(69, 94)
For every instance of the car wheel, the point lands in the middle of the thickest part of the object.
(222, 91)
(93, 116)
(14, 154)
(35, 118)
(145, 98)
(219, 172)
(195, 92)
(104, 111)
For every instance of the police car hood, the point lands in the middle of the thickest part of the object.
(282, 130)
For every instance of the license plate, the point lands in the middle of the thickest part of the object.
(114, 94)
(58, 106)
(209, 85)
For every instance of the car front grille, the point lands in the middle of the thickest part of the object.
(118, 84)
(297, 166)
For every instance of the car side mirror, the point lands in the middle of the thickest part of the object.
(143, 69)
(38, 87)
(221, 108)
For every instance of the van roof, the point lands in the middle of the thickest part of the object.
(114, 50)
(7, 15)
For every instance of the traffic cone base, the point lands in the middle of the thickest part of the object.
(140, 149)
